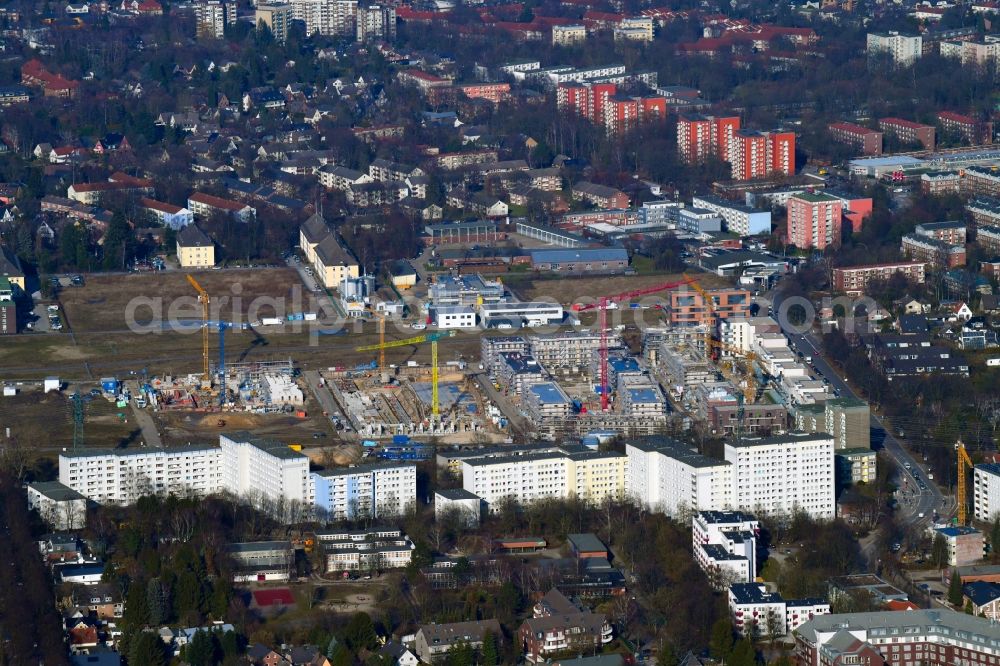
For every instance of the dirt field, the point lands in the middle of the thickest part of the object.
(101, 304)
(570, 290)
(43, 423)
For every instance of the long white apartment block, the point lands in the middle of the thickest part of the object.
(668, 476)
(121, 476)
(560, 473)
(784, 474)
(366, 491)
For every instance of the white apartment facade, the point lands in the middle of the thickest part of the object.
(61, 507)
(264, 472)
(326, 17)
(740, 332)
(986, 492)
(559, 474)
(566, 35)
(784, 474)
(112, 476)
(904, 49)
(365, 491)
(666, 476)
(725, 546)
(374, 549)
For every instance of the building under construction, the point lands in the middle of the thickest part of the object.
(403, 405)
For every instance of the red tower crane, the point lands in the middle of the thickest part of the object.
(602, 306)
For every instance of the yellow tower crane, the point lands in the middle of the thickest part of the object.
(964, 465)
(420, 339)
(204, 300)
(749, 358)
(381, 343)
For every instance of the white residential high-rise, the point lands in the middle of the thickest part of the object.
(986, 492)
(264, 471)
(784, 474)
(668, 476)
(376, 22)
(370, 491)
(123, 476)
(904, 49)
(559, 473)
(213, 17)
(326, 17)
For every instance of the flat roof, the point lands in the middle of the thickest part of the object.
(456, 494)
(789, 438)
(362, 469)
(258, 546)
(549, 393)
(55, 491)
(587, 542)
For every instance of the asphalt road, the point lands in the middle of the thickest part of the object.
(919, 511)
(321, 393)
(517, 422)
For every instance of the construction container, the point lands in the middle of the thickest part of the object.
(109, 385)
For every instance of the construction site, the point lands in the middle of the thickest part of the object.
(710, 371)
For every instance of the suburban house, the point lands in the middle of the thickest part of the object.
(205, 205)
(167, 214)
(561, 626)
(435, 640)
(601, 196)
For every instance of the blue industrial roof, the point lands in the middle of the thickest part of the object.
(579, 254)
(627, 364)
(885, 161)
(956, 531)
(548, 393)
(643, 395)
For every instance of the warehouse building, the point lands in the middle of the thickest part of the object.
(581, 260)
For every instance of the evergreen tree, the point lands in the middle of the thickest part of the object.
(201, 651)
(489, 655)
(743, 654)
(720, 644)
(955, 590)
(461, 654)
(341, 656)
(147, 650)
(222, 593)
(360, 632)
(189, 595)
(231, 644)
(119, 243)
(156, 599)
(136, 607)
